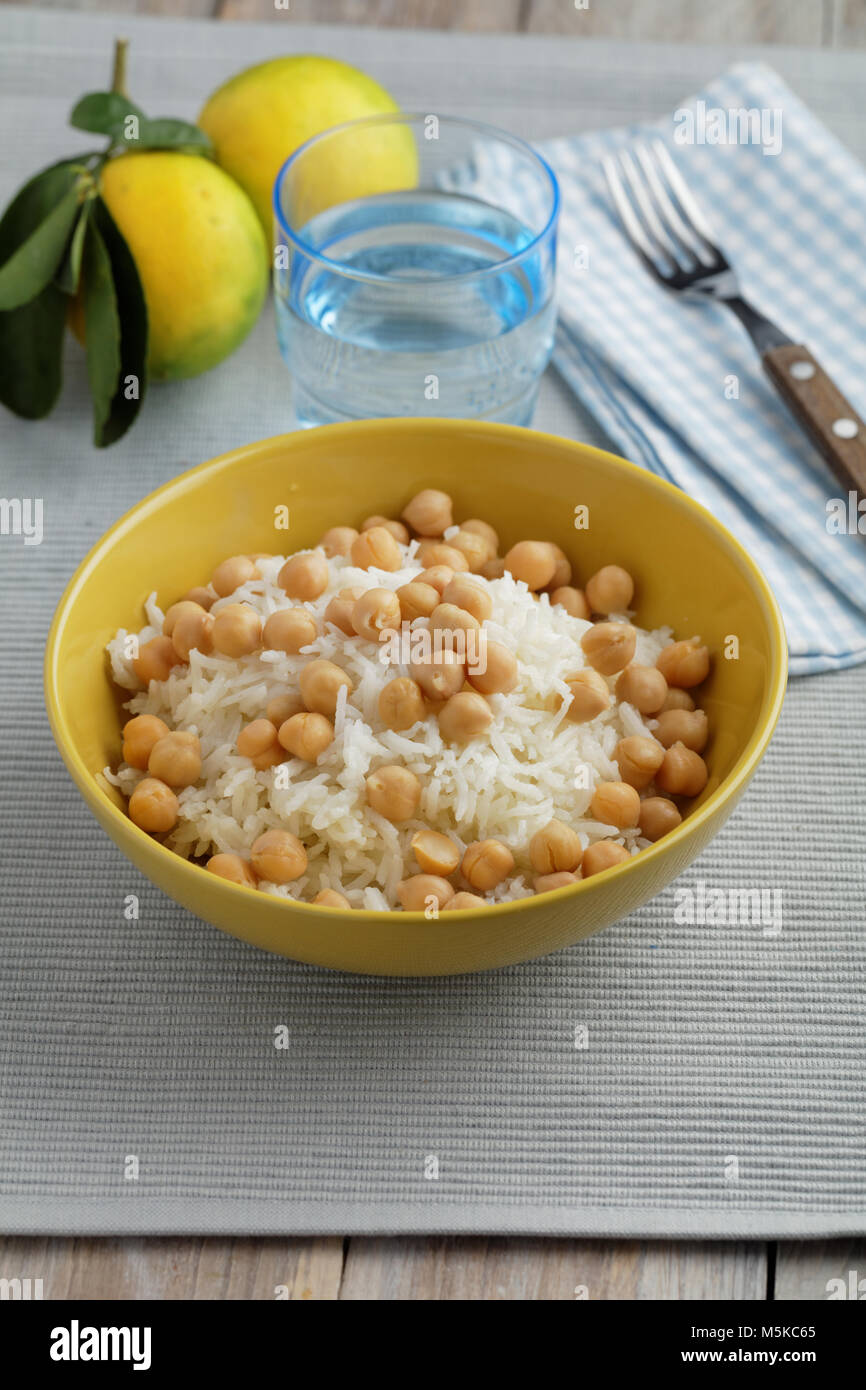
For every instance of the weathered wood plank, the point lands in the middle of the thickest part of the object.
(500, 16)
(847, 23)
(806, 1269)
(680, 21)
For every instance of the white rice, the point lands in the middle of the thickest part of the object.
(529, 766)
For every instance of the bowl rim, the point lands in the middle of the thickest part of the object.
(99, 803)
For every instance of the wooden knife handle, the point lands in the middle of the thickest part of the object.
(828, 418)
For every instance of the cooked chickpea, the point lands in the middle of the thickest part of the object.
(461, 592)
(429, 513)
(257, 737)
(237, 630)
(306, 736)
(548, 883)
(417, 600)
(590, 696)
(486, 863)
(684, 663)
(463, 902)
(394, 792)
(572, 600)
(447, 617)
(642, 686)
(500, 669)
(139, 735)
(282, 707)
(465, 716)
(555, 849)
(193, 632)
(232, 573)
(683, 772)
(485, 530)
(562, 573)
(433, 554)
(677, 699)
(616, 803)
(401, 704)
(304, 577)
(376, 549)
(329, 897)
(233, 868)
(658, 816)
(288, 630)
(338, 541)
(174, 612)
(320, 684)
(437, 576)
(436, 854)
(271, 757)
(608, 647)
(493, 569)
(415, 893)
(176, 759)
(155, 660)
(475, 548)
(396, 528)
(339, 610)
(689, 727)
(603, 855)
(532, 561)
(203, 597)
(638, 759)
(153, 806)
(610, 590)
(278, 857)
(440, 678)
(376, 613)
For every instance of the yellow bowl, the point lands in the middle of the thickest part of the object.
(691, 574)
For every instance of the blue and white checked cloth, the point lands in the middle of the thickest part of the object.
(653, 368)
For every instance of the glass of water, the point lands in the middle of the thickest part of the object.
(414, 270)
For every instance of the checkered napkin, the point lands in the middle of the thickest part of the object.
(678, 385)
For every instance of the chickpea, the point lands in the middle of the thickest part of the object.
(338, 541)
(153, 806)
(306, 736)
(463, 902)
(436, 553)
(684, 726)
(486, 531)
(639, 759)
(417, 600)
(401, 704)
(257, 737)
(554, 849)
(329, 897)
(486, 863)
(500, 669)
(193, 632)
(429, 513)
(603, 855)
(572, 600)
(548, 883)
(476, 548)
(233, 868)
(376, 614)
(304, 577)
(683, 772)
(271, 757)
(282, 707)
(174, 612)
(437, 576)
(608, 647)
(610, 590)
(461, 592)
(562, 573)
(203, 597)
(684, 663)
(232, 573)
(658, 817)
(616, 803)
(590, 695)
(155, 660)
(677, 699)
(339, 610)
(396, 528)
(288, 630)
(493, 569)
(394, 792)
(532, 561)
(447, 617)
(320, 684)
(278, 857)
(464, 716)
(415, 892)
(237, 630)
(376, 549)
(436, 854)
(139, 735)
(176, 759)
(642, 686)
(441, 678)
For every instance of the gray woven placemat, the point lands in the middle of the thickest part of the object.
(661, 1078)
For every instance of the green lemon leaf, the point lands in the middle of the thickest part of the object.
(106, 113)
(168, 134)
(31, 351)
(69, 271)
(32, 203)
(132, 317)
(101, 326)
(30, 268)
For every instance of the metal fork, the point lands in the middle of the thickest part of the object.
(671, 235)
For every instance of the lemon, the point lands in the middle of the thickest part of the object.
(261, 116)
(197, 243)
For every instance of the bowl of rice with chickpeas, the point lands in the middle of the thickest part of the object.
(482, 691)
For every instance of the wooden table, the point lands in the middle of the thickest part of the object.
(443, 1267)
